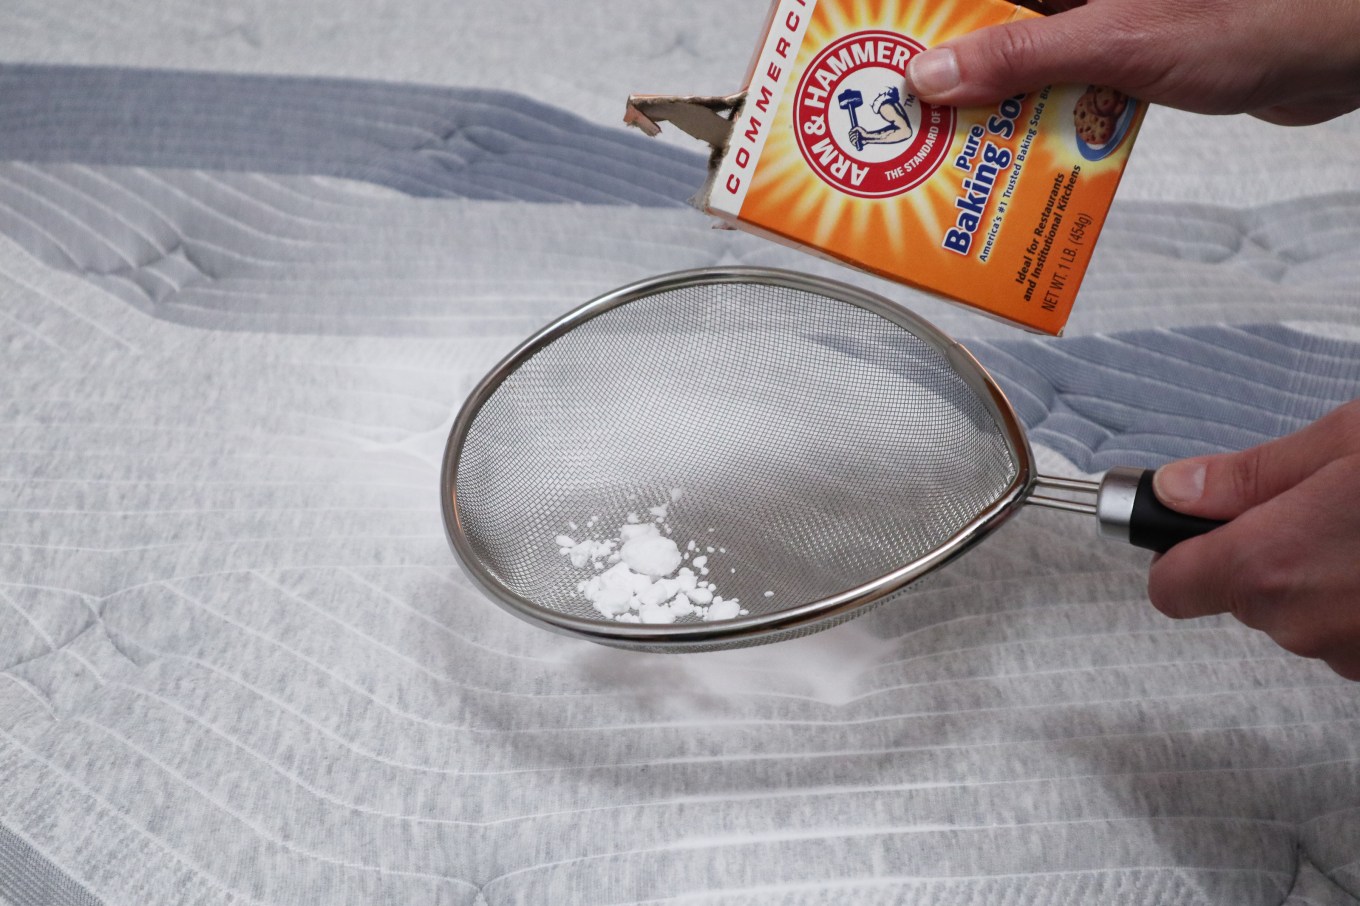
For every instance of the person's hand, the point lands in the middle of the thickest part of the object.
(1291, 63)
(1288, 562)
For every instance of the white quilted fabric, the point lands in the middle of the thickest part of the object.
(238, 663)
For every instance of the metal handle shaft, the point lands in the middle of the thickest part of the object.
(1125, 507)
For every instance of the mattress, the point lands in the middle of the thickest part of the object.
(252, 259)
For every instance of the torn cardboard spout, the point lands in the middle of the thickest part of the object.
(707, 118)
(826, 149)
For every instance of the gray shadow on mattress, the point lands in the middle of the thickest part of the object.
(425, 141)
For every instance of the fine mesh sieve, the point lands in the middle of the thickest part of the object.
(831, 444)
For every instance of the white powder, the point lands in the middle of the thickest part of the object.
(651, 555)
(645, 581)
(722, 609)
(584, 552)
(656, 613)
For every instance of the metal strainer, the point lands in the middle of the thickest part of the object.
(830, 444)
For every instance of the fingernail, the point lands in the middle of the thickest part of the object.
(1179, 482)
(933, 72)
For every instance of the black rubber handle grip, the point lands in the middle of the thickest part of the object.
(1155, 526)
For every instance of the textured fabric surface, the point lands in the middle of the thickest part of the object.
(252, 259)
(26, 876)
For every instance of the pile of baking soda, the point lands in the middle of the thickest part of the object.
(641, 574)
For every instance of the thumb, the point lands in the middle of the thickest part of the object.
(1229, 484)
(993, 63)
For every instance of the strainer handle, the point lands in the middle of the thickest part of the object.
(1129, 510)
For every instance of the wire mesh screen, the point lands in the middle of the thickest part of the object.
(799, 444)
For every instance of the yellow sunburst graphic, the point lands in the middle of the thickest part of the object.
(789, 197)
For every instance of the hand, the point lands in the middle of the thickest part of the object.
(1289, 63)
(1288, 563)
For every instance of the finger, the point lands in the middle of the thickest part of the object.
(1307, 113)
(1229, 484)
(1078, 45)
(1195, 578)
(1346, 666)
(1285, 567)
(1245, 567)
(1249, 568)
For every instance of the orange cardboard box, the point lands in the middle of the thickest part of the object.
(998, 208)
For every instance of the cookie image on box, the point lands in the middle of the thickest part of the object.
(1107, 101)
(1093, 127)
(1101, 118)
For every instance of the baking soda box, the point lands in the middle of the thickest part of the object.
(997, 208)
